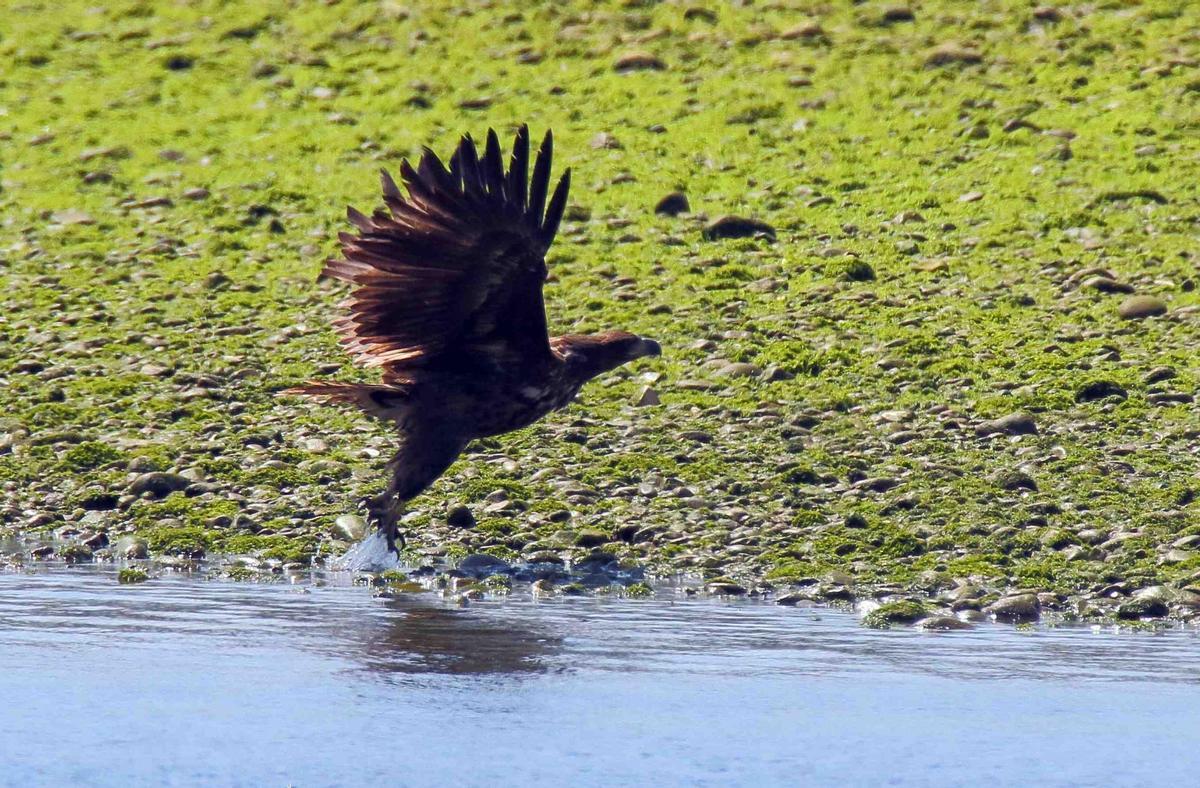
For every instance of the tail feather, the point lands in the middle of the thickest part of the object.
(378, 400)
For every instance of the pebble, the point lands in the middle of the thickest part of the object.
(805, 31)
(1141, 306)
(482, 565)
(1100, 389)
(673, 204)
(1015, 480)
(460, 516)
(739, 369)
(951, 53)
(1103, 284)
(943, 624)
(1159, 374)
(350, 527)
(638, 61)
(1142, 607)
(605, 141)
(71, 216)
(1016, 608)
(648, 397)
(1019, 423)
(737, 227)
(158, 483)
(894, 14)
(315, 445)
(591, 538)
(131, 547)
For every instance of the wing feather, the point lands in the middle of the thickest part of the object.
(455, 263)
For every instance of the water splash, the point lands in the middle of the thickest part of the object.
(369, 555)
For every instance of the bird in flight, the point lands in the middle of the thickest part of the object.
(447, 302)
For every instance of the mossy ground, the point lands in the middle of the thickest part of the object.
(940, 185)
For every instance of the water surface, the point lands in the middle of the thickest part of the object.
(184, 681)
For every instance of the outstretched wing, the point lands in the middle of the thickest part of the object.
(455, 266)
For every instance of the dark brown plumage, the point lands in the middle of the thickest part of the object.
(447, 301)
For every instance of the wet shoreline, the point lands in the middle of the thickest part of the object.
(322, 683)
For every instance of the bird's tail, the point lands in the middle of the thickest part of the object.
(379, 400)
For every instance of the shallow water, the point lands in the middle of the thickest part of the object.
(185, 681)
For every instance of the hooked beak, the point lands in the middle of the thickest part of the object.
(648, 347)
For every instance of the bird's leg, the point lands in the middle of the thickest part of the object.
(384, 509)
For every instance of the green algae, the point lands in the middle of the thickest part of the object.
(132, 576)
(902, 612)
(970, 192)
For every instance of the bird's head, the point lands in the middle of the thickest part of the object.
(588, 355)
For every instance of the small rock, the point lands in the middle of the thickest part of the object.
(75, 553)
(1159, 374)
(158, 483)
(196, 193)
(160, 201)
(971, 197)
(1142, 607)
(739, 369)
(1105, 285)
(943, 624)
(876, 484)
(72, 216)
(1015, 480)
(217, 280)
(638, 61)
(897, 14)
(1140, 306)
(774, 374)
(724, 588)
(905, 611)
(1019, 423)
(1100, 389)
(648, 397)
(350, 527)
(482, 565)
(460, 516)
(605, 141)
(1016, 608)
(737, 227)
(951, 53)
(591, 538)
(806, 31)
(130, 547)
(673, 204)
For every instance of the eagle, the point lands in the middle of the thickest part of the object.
(447, 302)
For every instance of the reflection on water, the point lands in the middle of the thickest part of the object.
(227, 683)
(421, 638)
